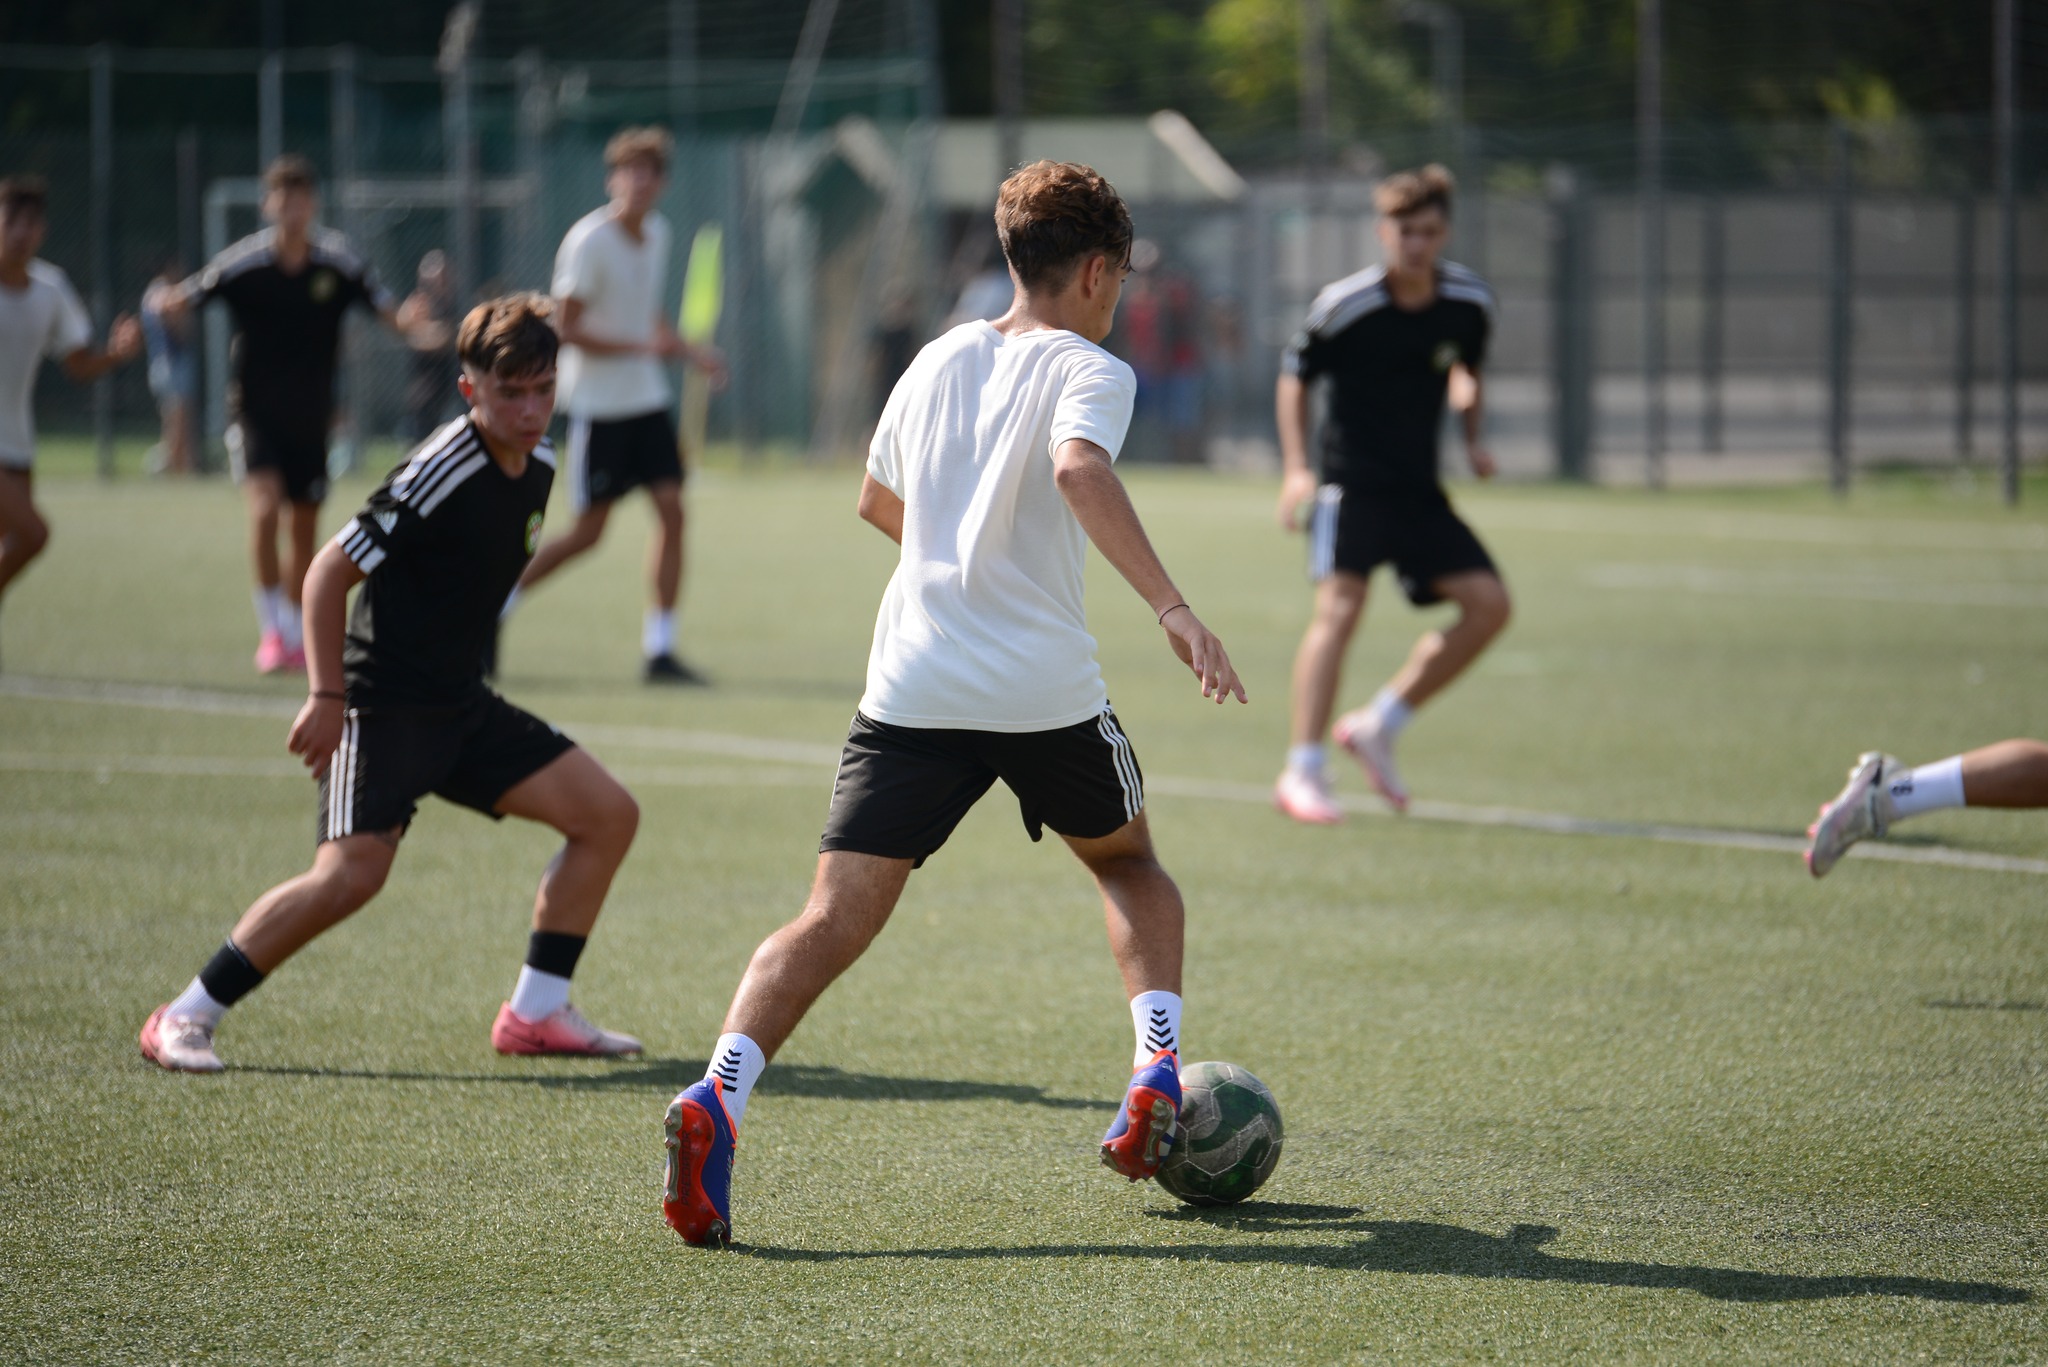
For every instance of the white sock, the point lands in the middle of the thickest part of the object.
(736, 1062)
(538, 995)
(291, 624)
(1392, 714)
(1156, 1015)
(196, 1002)
(1929, 788)
(269, 605)
(511, 601)
(1306, 759)
(658, 634)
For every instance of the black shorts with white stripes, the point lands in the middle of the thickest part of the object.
(1424, 538)
(902, 789)
(472, 754)
(611, 457)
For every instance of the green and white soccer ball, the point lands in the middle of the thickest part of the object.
(1230, 1136)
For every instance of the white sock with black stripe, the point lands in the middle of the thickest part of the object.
(736, 1062)
(1156, 1016)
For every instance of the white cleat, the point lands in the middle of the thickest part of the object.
(1861, 811)
(1359, 733)
(180, 1044)
(1306, 798)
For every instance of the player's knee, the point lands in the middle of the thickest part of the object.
(1488, 607)
(1338, 607)
(350, 883)
(616, 817)
(31, 538)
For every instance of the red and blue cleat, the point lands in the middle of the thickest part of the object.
(696, 1187)
(1149, 1121)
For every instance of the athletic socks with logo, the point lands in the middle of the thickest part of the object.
(658, 633)
(1390, 713)
(543, 986)
(1928, 788)
(1156, 1017)
(227, 978)
(736, 1062)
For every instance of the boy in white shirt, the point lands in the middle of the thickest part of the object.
(610, 275)
(40, 315)
(992, 469)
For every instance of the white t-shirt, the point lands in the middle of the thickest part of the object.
(43, 319)
(982, 626)
(620, 284)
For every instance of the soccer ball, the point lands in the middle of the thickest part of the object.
(1229, 1136)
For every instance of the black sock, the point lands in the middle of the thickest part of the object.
(549, 951)
(229, 976)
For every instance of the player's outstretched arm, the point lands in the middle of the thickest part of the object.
(124, 344)
(318, 728)
(1297, 481)
(879, 507)
(1087, 481)
(1468, 397)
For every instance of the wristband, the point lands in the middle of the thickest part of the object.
(330, 693)
(1162, 616)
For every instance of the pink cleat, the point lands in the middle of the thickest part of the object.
(179, 1044)
(1359, 733)
(294, 660)
(565, 1032)
(1306, 798)
(271, 655)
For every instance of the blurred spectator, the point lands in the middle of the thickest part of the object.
(429, 315)
(895, 345)
(173, 374)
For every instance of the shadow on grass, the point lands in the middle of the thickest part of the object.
(1420, 1248)
(785, 1079)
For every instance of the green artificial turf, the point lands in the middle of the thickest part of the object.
(1549, 1098)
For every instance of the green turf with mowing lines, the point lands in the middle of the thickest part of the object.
(1548, 1099)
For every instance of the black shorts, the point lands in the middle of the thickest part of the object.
(389, 758)
(299, 458)
(1419, 533)
(611, 457)
(902, 789)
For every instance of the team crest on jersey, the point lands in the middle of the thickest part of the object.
(323, 285)
(532, 533)
(1445, 356)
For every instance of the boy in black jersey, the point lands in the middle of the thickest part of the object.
(288, 287)
(1386, 344)
(398, 707)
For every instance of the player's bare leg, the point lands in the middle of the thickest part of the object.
(1441, 656)
(1146, 934)
(23, 533)
(346, 874)
(263, 492)
(597, 818)
(1882, 790)
(583, 534)
(1303, 790)
(852, 897)
(665, 584)
(2011, 773)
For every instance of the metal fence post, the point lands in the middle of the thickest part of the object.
(1841, 270)
(1571, 325)
(1966, 324)
(1713, 316)
(341, 150)
(103, 245)
(2008, 255)
(1650, 226)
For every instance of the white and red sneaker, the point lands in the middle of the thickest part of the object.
(1359, 732)
(564, 1032)
(272, 656)
(1306, 797)
(179, 1044)
(294, 660)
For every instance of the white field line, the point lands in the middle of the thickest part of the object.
(1791, 529)
(807, 759)
(1786, 584)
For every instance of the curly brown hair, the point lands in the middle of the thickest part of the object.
(648, 143)
(511, 336)
(1051, 214)
(1410, 192)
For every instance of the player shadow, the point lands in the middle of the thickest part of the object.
(670, 1074)
(1422, 1248)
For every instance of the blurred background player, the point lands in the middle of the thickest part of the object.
(173, 374)
(610, 275)
(288, 287)
(40, 315)
(992, 469)
(1882, 790)
(1388, 344)
(397, 707)
(429, 315)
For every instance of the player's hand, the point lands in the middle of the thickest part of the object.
(316, 732)
(1297, 488)
(711, 361)
(1482, 462)
(1201, 652)
(124, 339)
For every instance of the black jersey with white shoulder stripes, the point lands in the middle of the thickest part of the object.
(290, 326)
(442, 541)
(1384, 371)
